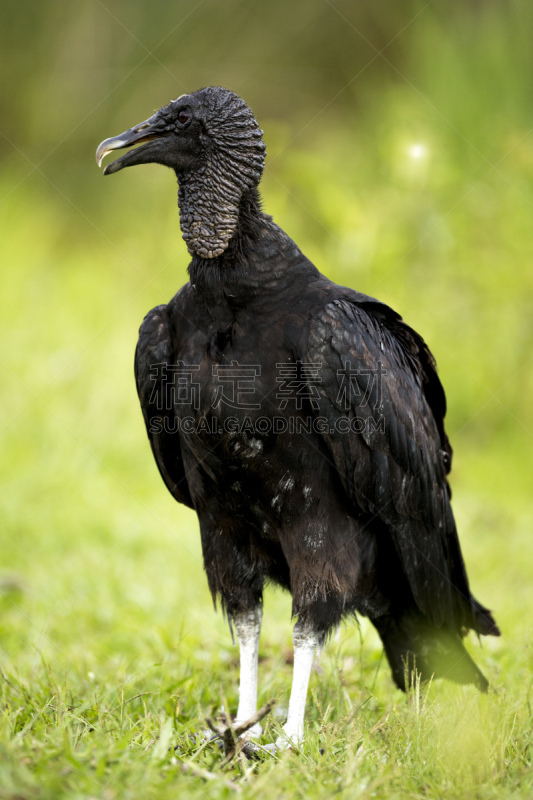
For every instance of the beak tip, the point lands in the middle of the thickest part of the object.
(101, 153)
(108, 145)
(114, 166)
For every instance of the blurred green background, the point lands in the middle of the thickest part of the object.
(399, 157)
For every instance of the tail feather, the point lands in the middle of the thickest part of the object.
(484, 622)
(412, 643)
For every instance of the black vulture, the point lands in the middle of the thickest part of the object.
(301, 420)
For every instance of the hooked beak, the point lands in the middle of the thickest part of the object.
(142, 134)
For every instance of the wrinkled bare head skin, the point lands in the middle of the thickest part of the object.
(209, 196)
(213, 142)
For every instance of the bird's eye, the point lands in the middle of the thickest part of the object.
(183, 116)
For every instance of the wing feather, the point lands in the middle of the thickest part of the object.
(394, 460)
(155, 348)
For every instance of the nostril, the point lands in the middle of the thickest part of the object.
(141, 127)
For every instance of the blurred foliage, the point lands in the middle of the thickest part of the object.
(400, 158)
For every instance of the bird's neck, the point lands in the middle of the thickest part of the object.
(259, 255)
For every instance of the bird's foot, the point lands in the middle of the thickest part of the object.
(276, 748)
(291, 738)
(288, 740)
(233, 735)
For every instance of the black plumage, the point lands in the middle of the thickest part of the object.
(325, 471)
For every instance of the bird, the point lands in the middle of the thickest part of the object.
(303, 421)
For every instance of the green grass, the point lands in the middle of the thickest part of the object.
(111, 653)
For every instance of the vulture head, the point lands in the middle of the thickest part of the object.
(213, 143)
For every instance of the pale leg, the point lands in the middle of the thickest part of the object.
(248, 629)
(305, 641)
